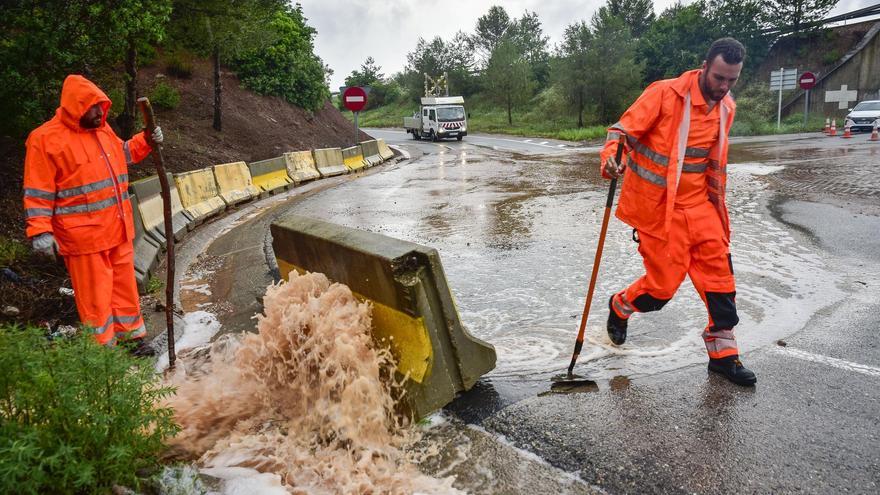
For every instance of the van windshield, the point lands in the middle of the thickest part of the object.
(448, 114)
(867, 105)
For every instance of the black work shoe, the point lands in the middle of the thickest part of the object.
(616, 325)
(140, 348)
(732, 369)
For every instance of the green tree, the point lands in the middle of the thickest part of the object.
(614, 77)
(508, 77)
(677, 41)
(795, 13)
(527, 35)
(491, 30)
(44, 41)
(367, 76)
(636, 14)
(286, 66)
(222, 30)
(571, 67)
(743, 20)
(436, 57)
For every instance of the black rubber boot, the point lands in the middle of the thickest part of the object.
(616, 325)
(732, 369)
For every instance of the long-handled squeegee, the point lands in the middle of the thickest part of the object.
(571, 382)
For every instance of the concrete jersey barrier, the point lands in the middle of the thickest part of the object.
(146, 250)
(413, 310)
(234, 183)
(150, 206)
(370, 150)
(329, 162)
(270, 175)
(353, 158)
(301, 166)
(199, 194)
(384, 151)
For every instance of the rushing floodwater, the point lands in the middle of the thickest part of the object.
(517, 235)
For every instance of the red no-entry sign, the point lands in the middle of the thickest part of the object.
(354, 98)
(807, 80)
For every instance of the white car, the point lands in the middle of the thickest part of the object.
(863, 116)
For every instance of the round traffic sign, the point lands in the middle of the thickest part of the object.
(807, 80)
(354, 98)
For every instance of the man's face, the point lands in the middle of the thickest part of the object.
(92, 118)
(719, 77)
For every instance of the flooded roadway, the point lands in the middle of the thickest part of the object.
(517, 234)
(516, 224)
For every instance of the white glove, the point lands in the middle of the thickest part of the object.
(45, 245)
(157, 135)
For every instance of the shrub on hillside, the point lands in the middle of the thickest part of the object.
(165, 96)
(76, 417)
(178, 66)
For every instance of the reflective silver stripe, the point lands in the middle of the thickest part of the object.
(693, 167)
(714, 183)
(647, 152)
(103, 328)
(126, 319)
(94, 186)
(696, 152)
(624, 310)
(127, 153)
(612, 136)
(618, 126)
(37, 212)
(719, 340)
(39, 193)
(96, 206)
(647, 174)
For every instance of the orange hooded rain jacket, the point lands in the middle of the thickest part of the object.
(76, 179)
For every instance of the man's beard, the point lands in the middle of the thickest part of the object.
(704, 86)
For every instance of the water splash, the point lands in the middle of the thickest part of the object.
(307, 398)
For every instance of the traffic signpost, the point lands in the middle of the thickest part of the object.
(355, 99)
(807, 81)
(782, 79)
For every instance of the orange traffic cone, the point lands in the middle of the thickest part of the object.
(875, 136)
(827, 129)
(846, 130)
(833, 131)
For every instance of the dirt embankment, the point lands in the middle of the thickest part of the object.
(254, 127)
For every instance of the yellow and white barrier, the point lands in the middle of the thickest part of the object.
(199, 194)
(353, 158)
(234, 183)
(146, 250)
(152, 212)
(370, 151)
(329, 162)
(384, 151)
(270, 175)
(301, 166)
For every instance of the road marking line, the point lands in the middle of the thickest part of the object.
(830, 361)
(544, 142)
(527, 141)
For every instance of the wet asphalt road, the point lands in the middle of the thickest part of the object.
(515, 223)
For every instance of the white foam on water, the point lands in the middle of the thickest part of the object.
(200, 288)
(246, 481)
(199, 327)
(754, 168)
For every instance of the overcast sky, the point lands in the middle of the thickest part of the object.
(349, 31)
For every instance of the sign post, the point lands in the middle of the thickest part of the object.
(807, 81)
(782, 79)
(355, 99)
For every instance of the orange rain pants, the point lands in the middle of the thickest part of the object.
(696, 248)
(106, 293)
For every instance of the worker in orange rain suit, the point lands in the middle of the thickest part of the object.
(673, 195)
(76, 205)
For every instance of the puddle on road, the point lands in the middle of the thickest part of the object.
(518, 240)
